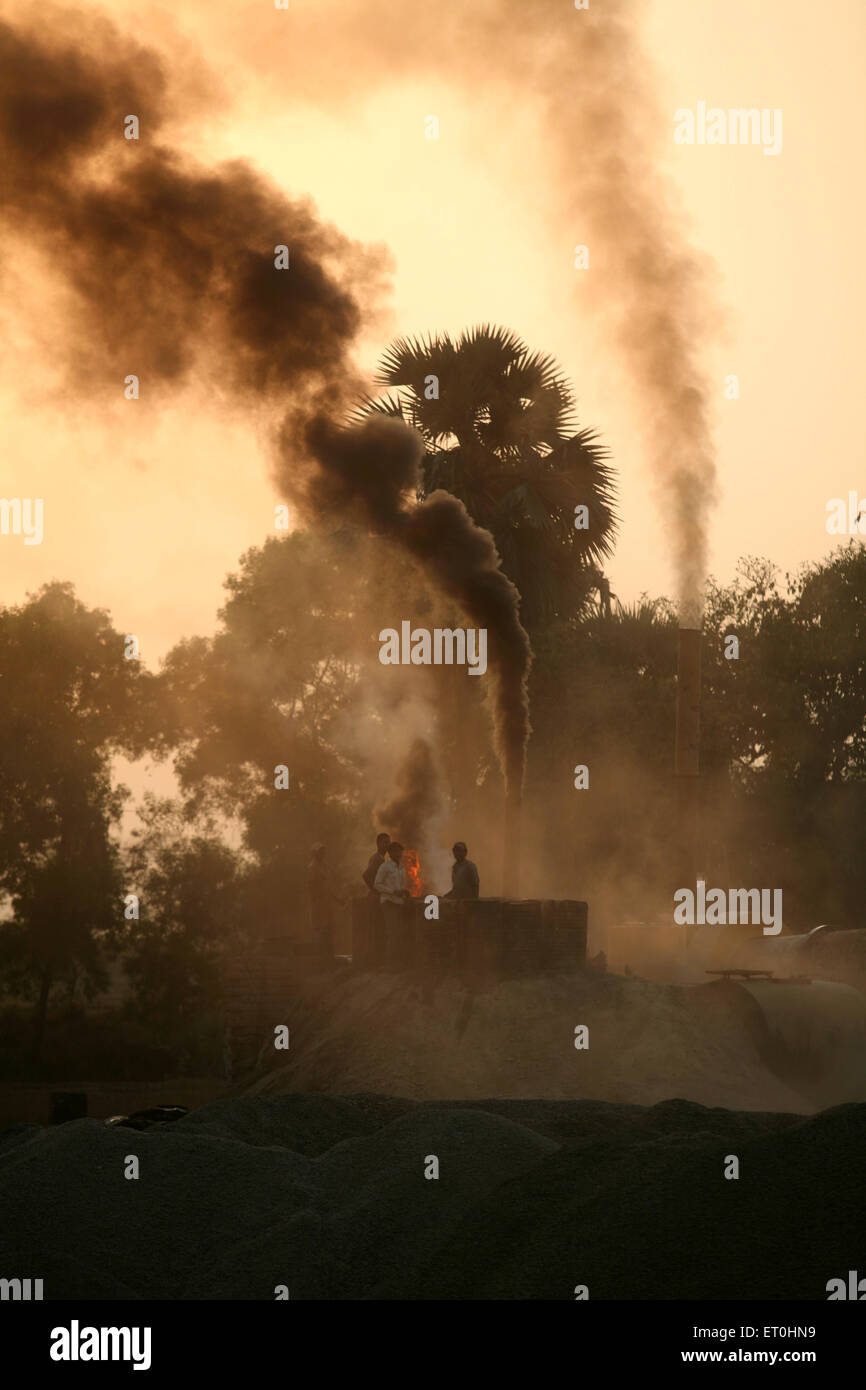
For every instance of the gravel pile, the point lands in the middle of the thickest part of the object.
(327, 1195)
(390, 1035)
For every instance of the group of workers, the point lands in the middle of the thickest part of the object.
(386, 880)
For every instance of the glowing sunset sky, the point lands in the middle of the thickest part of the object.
(146, 509)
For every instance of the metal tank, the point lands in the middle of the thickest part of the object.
(814, 1034)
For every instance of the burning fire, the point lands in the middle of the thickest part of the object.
(412, 865)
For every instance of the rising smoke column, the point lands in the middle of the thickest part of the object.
(416, 797)
(653, 294)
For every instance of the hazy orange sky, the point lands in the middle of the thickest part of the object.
(146, 510)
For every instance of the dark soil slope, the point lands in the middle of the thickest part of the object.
(328, 1196)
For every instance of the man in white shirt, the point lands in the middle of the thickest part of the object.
(390, 883)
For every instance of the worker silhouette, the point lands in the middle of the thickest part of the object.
(391, 886)
(464, 874)
(383, 840)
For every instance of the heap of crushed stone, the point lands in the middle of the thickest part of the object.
(327, 1195)
(392, 1035)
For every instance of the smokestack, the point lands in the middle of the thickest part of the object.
(511, 846)
(688, 736)
(687, 755)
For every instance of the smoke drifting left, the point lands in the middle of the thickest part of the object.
(172, 270)
(171, 265)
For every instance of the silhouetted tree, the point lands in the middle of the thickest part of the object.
(786, 724)
(191, 888)
(498, 425)
(70, 700)
(783, 740)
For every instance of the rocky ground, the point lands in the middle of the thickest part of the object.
(369, 1162)
(647, 1042)
(328, 1196)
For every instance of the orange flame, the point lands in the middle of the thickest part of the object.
(412, 865)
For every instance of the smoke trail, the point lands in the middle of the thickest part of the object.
(416, 796)
(173, 266)
(584, 73)
(649, 287)
(378, 464)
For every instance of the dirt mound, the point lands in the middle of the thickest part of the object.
(388, 1034)
(329, 1197)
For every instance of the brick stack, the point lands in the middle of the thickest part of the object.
(521, 942)
(478, 938)
(438, 943)
(564, 934)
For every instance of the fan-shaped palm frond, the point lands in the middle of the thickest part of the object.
(371, 405)
(499, 424)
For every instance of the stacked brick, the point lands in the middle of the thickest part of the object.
(485, 937)
(565, 933)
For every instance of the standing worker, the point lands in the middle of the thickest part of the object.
(390, 884)
(376, 860)
(464, 875)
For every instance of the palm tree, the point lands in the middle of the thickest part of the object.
(498, 428)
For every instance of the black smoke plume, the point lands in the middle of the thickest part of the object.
(416, 797)
(377, 465)
(173, 267)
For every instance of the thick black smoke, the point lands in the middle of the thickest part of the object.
(173, 267)
(416, 797)
(377, 465)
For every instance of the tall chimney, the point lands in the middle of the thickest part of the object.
(687, 756)
(688, 738)
(511, 861)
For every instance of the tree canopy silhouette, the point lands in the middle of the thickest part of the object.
(70, 701)
(498, 423)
